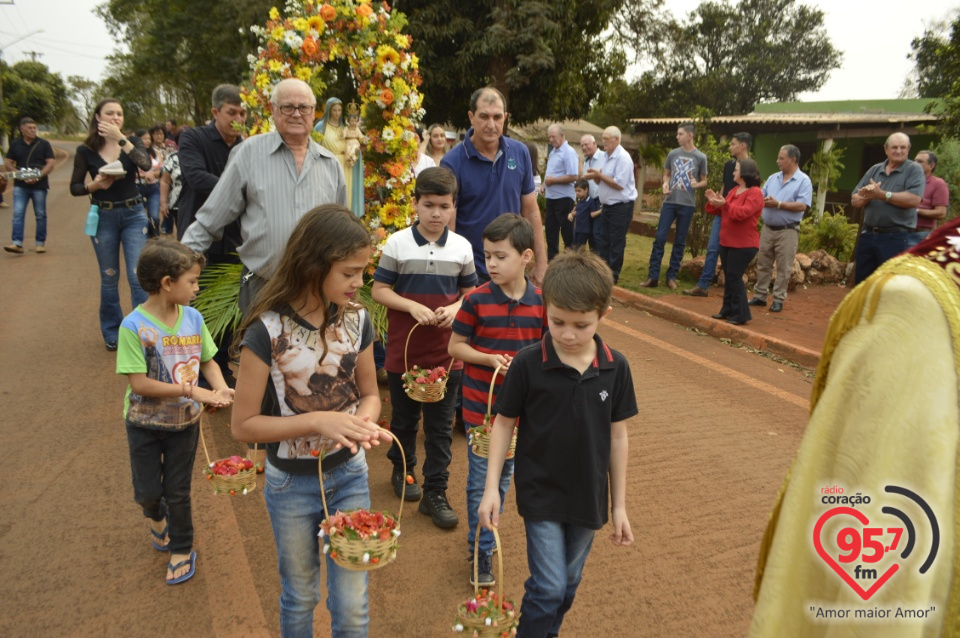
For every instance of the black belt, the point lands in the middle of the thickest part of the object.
(884, 230)
(127, 203)
(793, 226)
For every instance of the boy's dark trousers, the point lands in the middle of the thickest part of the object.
(437, 432)
(162, 465)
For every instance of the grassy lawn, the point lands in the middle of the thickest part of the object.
(636, 263)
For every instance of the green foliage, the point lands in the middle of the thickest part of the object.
(825, 165)
(948, 168)
(178, 51)
(936, 57)
(378, 313)
(547, 57)
(729, 57)
(833, 233)
(717, 155)
(30, 89)
(217, 301)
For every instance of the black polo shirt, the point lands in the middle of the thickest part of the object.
(203, 157)
(563, 437)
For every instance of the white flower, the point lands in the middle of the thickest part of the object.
(375, 223)
(321, 533)
(388, 69)
(366, 557)
(388, 133)
(292, 39)
(212, 464)
(488, 621)
(458, 628)
(244, 490)
(396, 533)
(954, 241)
(326, 548)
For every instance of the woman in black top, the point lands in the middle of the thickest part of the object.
(123, 220)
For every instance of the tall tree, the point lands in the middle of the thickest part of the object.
(30, 89)
(728, 58)
(549, 58)
(936, 56)
(179, 50)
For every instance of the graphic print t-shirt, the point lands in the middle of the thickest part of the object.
(685, 168)
(167, 354)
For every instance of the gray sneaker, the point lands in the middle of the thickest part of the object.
(484, 572)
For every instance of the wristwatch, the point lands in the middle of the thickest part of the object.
(122, 142)
(889, 195)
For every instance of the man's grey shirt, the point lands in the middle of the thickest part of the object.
(262, 188)
(907, 177)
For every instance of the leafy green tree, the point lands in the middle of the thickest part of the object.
(728, 58)
(549, 58)
(30, 89)
(179, 50)
(936, 56)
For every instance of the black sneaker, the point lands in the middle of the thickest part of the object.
(435, 505)
(484, 572)
(410, 490)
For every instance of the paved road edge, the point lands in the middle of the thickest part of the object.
(719, 329)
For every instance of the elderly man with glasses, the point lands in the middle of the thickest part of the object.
(270, 182)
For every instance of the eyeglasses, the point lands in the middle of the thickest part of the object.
(304, 109)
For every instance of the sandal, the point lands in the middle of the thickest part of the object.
(193, 569)
(160, 536)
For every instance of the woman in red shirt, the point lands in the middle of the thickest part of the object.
(739, 238)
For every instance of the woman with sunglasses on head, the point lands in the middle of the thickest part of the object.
(106, 168)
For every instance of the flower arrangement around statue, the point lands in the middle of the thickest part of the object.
(422, 384)
(478, 437)
(360, 540)
(487, 614)
(385, 70)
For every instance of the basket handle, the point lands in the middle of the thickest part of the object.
(323, 494)
(203, 417)
(493, 384)
(476, 566)
(406, 366)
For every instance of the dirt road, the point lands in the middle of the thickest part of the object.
(717, 429)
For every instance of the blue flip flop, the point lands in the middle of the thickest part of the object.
(193, 568)
(160, 536)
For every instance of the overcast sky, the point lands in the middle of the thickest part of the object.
(874, 37)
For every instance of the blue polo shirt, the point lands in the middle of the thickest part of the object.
(798, 188)
(487, 189)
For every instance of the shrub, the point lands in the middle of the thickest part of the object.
(833, 233)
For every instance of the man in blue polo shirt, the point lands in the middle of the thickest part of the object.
(786, 197)
(563, 167)
(495, 177)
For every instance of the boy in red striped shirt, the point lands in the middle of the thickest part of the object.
(494, 322)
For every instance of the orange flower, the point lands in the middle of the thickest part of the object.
(394, 168)
(328, 13)
(386, 96)
(364, 10)
(310, 46)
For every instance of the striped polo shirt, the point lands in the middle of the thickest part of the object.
(430, 273)
(494, 323)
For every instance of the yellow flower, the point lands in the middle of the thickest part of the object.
(274, 13)
(315, 23)
(304, 73)
(263, 80)
(277, 33)
(402, 41)
(275, 66)
(387, 54)
(301, 24)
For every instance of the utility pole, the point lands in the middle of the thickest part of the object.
(33, 55)
(3, 131)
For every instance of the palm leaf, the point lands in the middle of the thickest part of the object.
(217, 301)
(378, 313)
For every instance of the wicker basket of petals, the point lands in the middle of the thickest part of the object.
(479, 436)
(421, 384)
(232, 475)
(487, 614)
(361, 540)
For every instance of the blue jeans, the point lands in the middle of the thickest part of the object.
(919, 236)
(612, 244)
(874, 248)
(118, 227)
(669, 214)
(151, 198)
(296, 511)
(21, 196)
(556, 553)
(161, 463)
(713, 252)
(476, 480)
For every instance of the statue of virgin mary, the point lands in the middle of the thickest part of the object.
(331, 127)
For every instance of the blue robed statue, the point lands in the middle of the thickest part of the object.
(343, 140)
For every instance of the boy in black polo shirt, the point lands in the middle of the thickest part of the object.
(572, 394)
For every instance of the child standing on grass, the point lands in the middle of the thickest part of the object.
(307, 388)
(495, 321)
(163, 347)
(584, 215)
(423, 273)
(572, 395)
